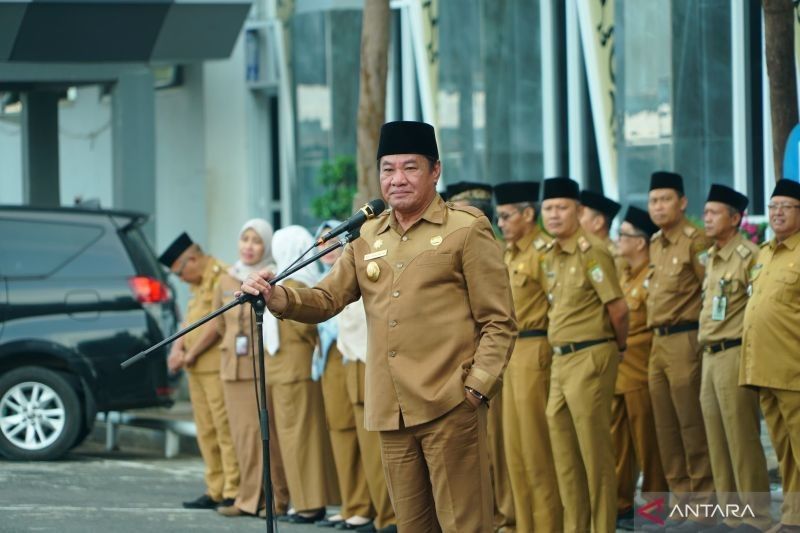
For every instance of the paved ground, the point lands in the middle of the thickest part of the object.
(95, 491)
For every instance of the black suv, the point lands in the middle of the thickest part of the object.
(80, 292)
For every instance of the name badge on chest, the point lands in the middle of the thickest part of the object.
(242, 345)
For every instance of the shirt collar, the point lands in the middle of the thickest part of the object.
(726, 251)
(570, 245)
(790, 243)
(525, 242)
(674, 233)
(434, 213)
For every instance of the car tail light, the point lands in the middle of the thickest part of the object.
(164, 391)
(148, 290)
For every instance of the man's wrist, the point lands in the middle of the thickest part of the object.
(475, 394)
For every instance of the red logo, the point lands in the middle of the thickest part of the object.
(652, 511)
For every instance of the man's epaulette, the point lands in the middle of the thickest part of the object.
(539, 244)
(743, 251)
(655, 236)
(583, 244)
(689, 231)
(474, 211)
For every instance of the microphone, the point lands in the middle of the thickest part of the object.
(369, 211)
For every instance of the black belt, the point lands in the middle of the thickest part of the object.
(532, 333)
(663, 331)
(721, 346)
(567, 349)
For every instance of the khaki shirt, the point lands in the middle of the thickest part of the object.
(292, 362)
(727, 278)
(619, 262)
(632, 371)
(581, 279)
(201, 304)
(771, 341)
(439, 311)
(678, 258)
(523, 259)
(235, 322)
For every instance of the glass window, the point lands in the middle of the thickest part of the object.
(325, 60)
(34, 249)
(489, 99)
(674, 95)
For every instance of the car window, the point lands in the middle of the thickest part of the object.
(141, 254)
(36, 249)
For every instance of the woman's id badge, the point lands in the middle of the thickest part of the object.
(242, 347)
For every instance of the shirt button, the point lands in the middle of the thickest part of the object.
(393, 323)
(392, 353)
(399, 265)
(396, 294)
(405, 238)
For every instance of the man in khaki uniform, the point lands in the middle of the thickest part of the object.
(198, 352)
(730, 412)
(678, 255)
(527, 379)
(596, 217)
(588, 330)
(632, 426)
(770, 360)
(479, 195)
(441, 327)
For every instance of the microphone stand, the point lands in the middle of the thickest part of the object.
(259, 306)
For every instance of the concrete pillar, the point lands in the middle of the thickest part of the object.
(40, 184)
(134, 145)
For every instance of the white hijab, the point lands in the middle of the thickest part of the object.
(263, 228)
(287, 245)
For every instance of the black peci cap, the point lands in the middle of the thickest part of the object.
(512, 192)
(408, 137)
(661, 179)
(786, 187)
(175, 250)
(640, 219)
(600, 203)
(561, 188)
(726, 195)
(468, 190)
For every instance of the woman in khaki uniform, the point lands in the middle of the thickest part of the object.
(328, 367)
(237, 371)
(299, 412)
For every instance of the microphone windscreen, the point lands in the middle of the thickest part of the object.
(377, 205)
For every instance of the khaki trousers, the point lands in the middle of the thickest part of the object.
(503, 499)
(214, 435)
(299, 416)
(579, 418)
(532, 475)
(731, 417)
(674, 378)
(344, 439)
(634, 435)
(240, 400)
(781, 410)
(438, 473)
(369, 444)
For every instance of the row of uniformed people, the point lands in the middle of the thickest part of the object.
(315, 382)
(679, 397)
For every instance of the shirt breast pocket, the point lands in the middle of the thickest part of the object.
(788, 285)
(519, 279)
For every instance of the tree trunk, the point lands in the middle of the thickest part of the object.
(779, 39)
(372, 96)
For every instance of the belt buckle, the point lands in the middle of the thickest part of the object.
(708, 350)
(557, 350)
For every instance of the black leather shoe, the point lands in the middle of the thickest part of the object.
(327, 522)
(367, 527)
(298, 518)
(203, 502)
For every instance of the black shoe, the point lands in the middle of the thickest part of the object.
(327, 522)
(226, 502)
(367, 527)
(298, 518)
(203, 502)
(283, 517)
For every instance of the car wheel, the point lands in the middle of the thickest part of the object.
(40, 414)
